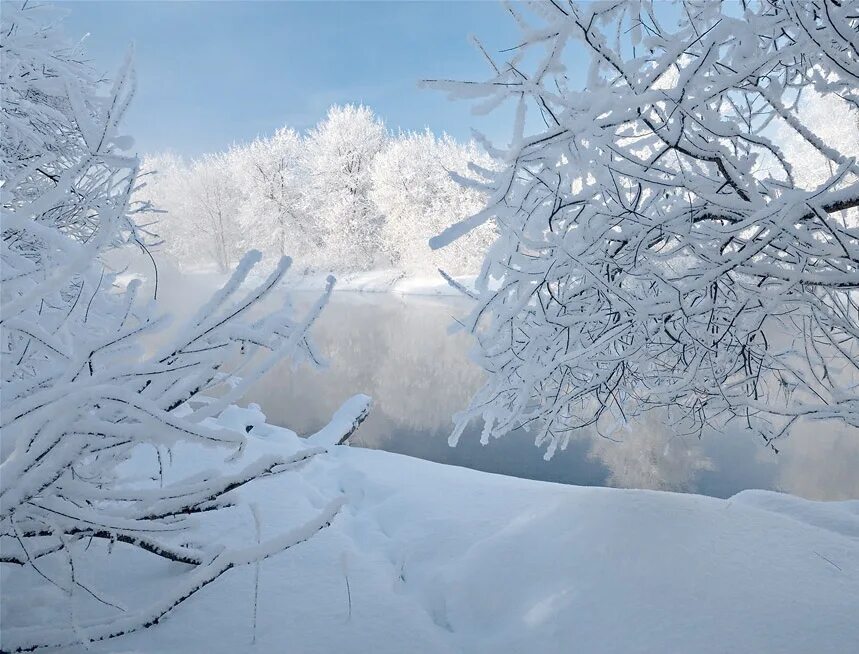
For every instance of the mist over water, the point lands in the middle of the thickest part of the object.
(398, 350)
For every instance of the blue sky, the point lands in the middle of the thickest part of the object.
(214, 73)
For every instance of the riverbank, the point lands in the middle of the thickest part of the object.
(130, 265)
(430, 558)
(383, 281)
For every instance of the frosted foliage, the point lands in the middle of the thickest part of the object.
(340, 151)
(344, 196)
(418, 186)
(81, 397)
(274, 183)
(663, 242)
(198, 207)
(831, 119)
(161, 183)
(215, 195)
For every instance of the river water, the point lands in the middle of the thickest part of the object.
(397, 349)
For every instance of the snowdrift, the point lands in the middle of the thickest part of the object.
(430, 558)
(383, 281)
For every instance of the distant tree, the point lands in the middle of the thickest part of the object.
(199, 205)
(345, 197)
(213, 206)
(273, 180)
(199, 208)
(658, 247)
(339, 154)
(816, 111)
(163, 183)
(82, 398)
(419, 185)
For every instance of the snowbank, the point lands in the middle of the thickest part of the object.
(373, 281)
(428, 558)
(382, 281)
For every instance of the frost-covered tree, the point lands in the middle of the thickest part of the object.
(344, 196)
(81, 397)
(162, 184)
(200, 207)
(659, 248)
(420, 185)
(212, 207)
(273, 182)
(339, 155)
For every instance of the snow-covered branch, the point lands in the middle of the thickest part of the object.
(82, 397)
(661, 244)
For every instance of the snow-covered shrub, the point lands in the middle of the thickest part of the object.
(80, 395)
(647, 257)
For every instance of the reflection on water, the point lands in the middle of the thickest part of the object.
(398, 351)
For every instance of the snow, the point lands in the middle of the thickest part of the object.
(384, 281)
(389, 280)
(134, 506)
(423, 557)
(343, 423)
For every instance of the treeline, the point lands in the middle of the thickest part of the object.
(346, 195)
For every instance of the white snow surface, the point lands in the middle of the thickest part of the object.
(132, 265)
(382, 281)
(371, 281)
(447, 559)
